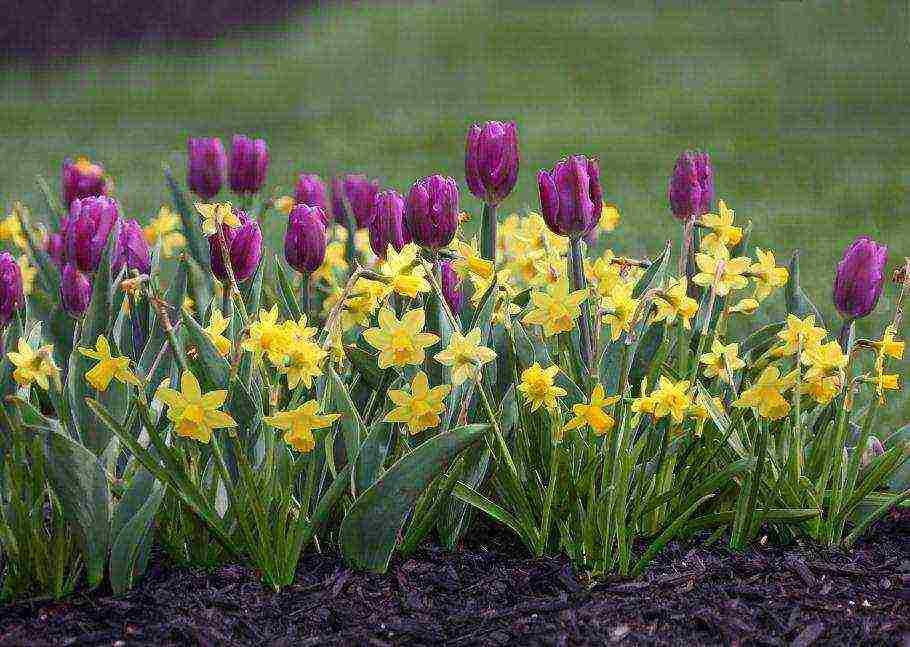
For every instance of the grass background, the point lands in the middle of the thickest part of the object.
(804, 107)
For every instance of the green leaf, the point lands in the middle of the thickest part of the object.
(365, 364)
(289, 300)
(647, 350)
(900, 479)
(352, 428)
(472, 497)
(196, 243)
(798, 302)
(370, 529)
(762, 339)
(215, 372)
(372, 455)
(131, 529)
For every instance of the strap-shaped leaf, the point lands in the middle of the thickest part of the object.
(196, 243)
(798, 302)
(131, 530)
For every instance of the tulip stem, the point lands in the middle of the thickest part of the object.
(844, 336)
(488, 233)
(305, 294)
(578, 276)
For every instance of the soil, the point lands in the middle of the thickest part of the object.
(490, 593)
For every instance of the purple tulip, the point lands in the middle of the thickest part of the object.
(388, 226)
(206, 165)
(571, 197)
(12, 297)
(131, 248)
(360, 193)
(87, 230)
(491, 160)
(338, 213)
(311, 191)
(82, 179)
(304, 240)
(451, 287)
(54, 245)
(244, 245)
(691, 188)
(75, 291)
(860, 277)
(431, 211)
(249, 164)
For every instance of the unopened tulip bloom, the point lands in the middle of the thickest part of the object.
(491, 160)
(244, 245)
(311, 191)
(82, 179)
(451, 287)
(691, 187)
(206, 166)
(860, 277)
(571, 196)
(131, 248)
(304, 240)
(54, 245)
(431, 211)
(338, 214)
(249, 164)
(12, 296)
(360, 194)
(87, 230)
(387, 225)
(75, 290)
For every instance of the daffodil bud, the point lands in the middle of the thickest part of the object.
(431, 211)
(691, 187)
(75, 291)
(304, 240)
(387, 225)
(571, 197)
(491, 160)
(206, 166)
(244, 245)
(860, 277)
(451, 287)
(249, 164)
(311, 191)
(12, 297)
(82, 179)
(360, 193)
(131, 248)
(87, 229)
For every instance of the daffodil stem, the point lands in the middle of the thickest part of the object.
(703, 337)
(578, 277)
(488, 233)
(497, 432)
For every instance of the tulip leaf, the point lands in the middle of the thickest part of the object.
(798, 302)
(371, 528)
(645, 353)
(762, 339)
(288, 299)
(192, 225)
(131, 530)
(215, 372)
(199, 285)
(352, 428)
(900, 478)
(373, 452)
(365, 364)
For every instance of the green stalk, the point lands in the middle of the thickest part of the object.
(580, 283)
(488, 233)
(305, 295)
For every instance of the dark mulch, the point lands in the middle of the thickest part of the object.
(489, 594)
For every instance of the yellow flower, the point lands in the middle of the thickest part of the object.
(284, 205)
(621, 308)
(745, 306)
(362, 243)
(298, 424)
(405, 273)
(823, 360)
(400, 342)
(108, 366)
(525, 267)
(215, 215)
(723, 233)
(797, 330)
(420, 408)
(556, 309)
(333, 262)
(604, 273)
(366, 295)
(217, 325)
(188, 305)
(609, 217)
(268, 337)
(767, 275)
(823, 389)
(676, 302)
(465, 355)
(193, 413)
(166, 228)
(720, 270)
(538, 388)
(593, 414)
(28, 272)
(887, 346)
(766, 394)
(33, 366)
(11, 226)
(304, 356)
(671, 399)
(720, 359)
(884, 382)
(470, 260)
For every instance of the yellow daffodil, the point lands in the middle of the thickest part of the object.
(555, 309)
(537, 386)
(215, 215)
(405, 273)
(721, 271)
(799, 331)
(166, 228)
(188, 305)
(822, 389)
(766, 394)
(28, 272)
(420, 408)
(268, 337)
(108, 366)
(609, 217)
(400, 342)
(604, 273)
(362, 243)
(884, 381)
(334, 262)
(676, 302)
(194, 414)
(767, 275)
(620, 308)
(470, 260)
(671, 399)
(465, 355)
(11, 226)
(335, 345)
(298, 424)
(888, 346)
(284, 205)
(823, 360)
(217, 325)
(593, 414)
(745, 306)
(305, 357)
(721, 360)
(366, 295)
(723, 233)
(32, 366)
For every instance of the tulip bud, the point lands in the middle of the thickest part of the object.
(860, 277)
(249, 164)
(491, 160)
(311, 191)
(244, 245)
(304, 240)
(338, 213)
(75, 290)
(131, 248)
(571, 197)
(451, 287)
(691, 188)
(387, 226)
(360, 193)
(54, 245)
(87, 230)
(206, 165)
(82, 179)
(12, 296)
(431, 211)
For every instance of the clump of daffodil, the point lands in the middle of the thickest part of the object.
(766, 394)
(194, 414)
(799, 334)
(298, 424)
(465, 355)
(593, 414)
(34, 366)
(671, 399)
(717, 269)
(722, 360)
(305, 356)
(165, 227)
(217, 325)
(537, 386)
(11, 226)
(108, 366)
(216, 214)
(404, 271)
(620, 308)
(767, 275)
(400, 342)
(28, 272)
(480, 286)
(267, 337)
(723, 233)
(556, 308)
(675, 302)
(886, 347)
(420, 408)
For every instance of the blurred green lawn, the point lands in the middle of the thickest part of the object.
(804, 108)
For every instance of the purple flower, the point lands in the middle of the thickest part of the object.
(75, 291)
(360, 193)
(571, 197)
(431, 211)
(244, 245)
(860, 277)
(691, 188)
(304, 240)
(491, 160)
(311, 191)
(249, 164)
(388, 226)
(451, 287)
(12, 297)
(82, 179)
(87, 230)
(131, 248)
(338, 213)
(54, 245)
(206, 165)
